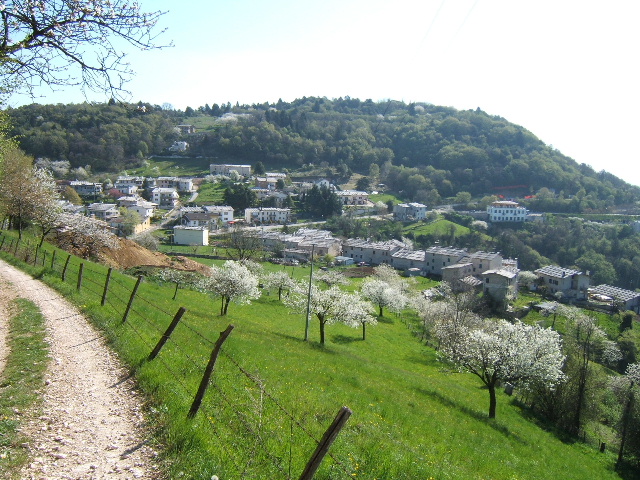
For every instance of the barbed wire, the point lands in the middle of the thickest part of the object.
(115, 301)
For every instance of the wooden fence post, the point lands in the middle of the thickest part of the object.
(44, 257)
(64, 270)
(106, 287)
(80, 271)
(4, 237)
(133, 294)
(204, 383)
(53, 260)
(167, 334)
(326, 441)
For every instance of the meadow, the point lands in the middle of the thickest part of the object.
(273, 394)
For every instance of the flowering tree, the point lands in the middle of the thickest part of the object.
(584, 340)
(331, 278)
(448, 314)
(330, 306)
(627, 389)
(280, 280)
(505, 352)
(180, 277)
(233, 282)
(64, 42)
(86, 236)
(382, 294)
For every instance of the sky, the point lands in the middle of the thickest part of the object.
(565, 70)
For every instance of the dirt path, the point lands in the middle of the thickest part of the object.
(91, 426)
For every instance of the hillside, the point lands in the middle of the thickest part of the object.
(420, 151)
(413, 417)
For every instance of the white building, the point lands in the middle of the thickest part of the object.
(267, 215)
(571, 283)
(374, 253)
(353, 197)
(225, 212)
(410, 211)
(165, 197)
(190, 235)
(103, 211)
(225, 169)
(506, 211)
(86, 188)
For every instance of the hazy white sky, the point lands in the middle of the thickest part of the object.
(566, 70)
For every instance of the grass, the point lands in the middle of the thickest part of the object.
(439, 227)
(21, 382)
(274, 394)
(210, 194)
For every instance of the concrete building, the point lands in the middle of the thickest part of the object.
(103, 211)
(506, 211)
(405, 259)
(226, 168)
(353, 197)
(85, 189)
(270, 215)
(374, 253)
(409, 211)
(501, 284)
(190, 235)
(165, 197)
(630, 299)
(437, 258)
(571, 283)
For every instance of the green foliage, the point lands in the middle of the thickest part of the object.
(433, 153)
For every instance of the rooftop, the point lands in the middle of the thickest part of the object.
(555, 271)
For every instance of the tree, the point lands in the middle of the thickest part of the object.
(232, 282)
(280, 280)
(363, 184)
(330, 306)
(243, 244)
(46, 209)
(499, 351)
(180, 277)
(627, 387)
(84, 236)
(383, 294)
(28, 194)
(61, 42)
(258, 168)
(71, 196)
(331, 278)
(130, 219)
(584, 339)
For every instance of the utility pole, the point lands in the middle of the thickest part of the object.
(306, 328)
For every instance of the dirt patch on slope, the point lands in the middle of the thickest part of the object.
(129, 254)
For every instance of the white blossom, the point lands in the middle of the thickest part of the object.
(332, 305)
(500, 351)
(232, 282)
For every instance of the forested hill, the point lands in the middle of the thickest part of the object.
(424, 152)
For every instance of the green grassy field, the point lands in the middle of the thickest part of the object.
(439, 227)
(274, 394)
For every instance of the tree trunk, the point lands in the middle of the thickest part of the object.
(175, 292)
(380, 311)
(226, 305)
(321, 332)
(364, 330)
(492, 400)
(279, 293)
(222, 305)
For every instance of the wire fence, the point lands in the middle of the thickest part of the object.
(251, 432)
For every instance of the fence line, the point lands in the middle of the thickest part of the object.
(109, 294)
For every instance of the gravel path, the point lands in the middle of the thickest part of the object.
(91, 426)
